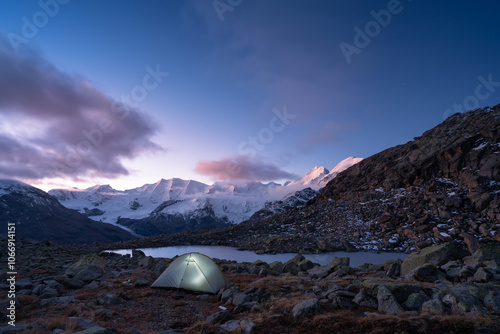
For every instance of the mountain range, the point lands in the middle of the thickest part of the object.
(167, 206)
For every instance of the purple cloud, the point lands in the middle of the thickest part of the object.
(242, 168)
(57, 125)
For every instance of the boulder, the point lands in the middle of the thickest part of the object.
(89, 273)
(393, 267)
(433, 306)
(415, 301)
(338, 262)
(387, 302)
(85, 262)
(488, 250)
(306, 308)
(138, 253)
(425, 273)
(147, 262)
(219, 317)
(492, 301)
(364, 299)
(230, 326)
(400, 290)
(247, 326)
(469, 297)
(482, 275)
(437, 255)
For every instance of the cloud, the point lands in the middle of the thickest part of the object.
(53, 124)
(242, 168)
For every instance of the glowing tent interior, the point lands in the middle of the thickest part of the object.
(192, 271)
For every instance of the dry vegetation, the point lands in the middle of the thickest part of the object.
(153, 310)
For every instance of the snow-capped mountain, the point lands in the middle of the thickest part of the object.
(340, 167)
(173, 205)
(232, 203)
(311, 179)
(39, 216)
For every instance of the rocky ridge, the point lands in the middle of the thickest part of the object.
(442, 186)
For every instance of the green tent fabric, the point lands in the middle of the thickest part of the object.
(192, 271)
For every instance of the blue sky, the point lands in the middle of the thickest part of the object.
(232, 66)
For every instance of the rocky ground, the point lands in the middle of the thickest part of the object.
(62, 288)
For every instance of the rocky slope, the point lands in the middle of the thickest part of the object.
(443, 185)
(67, 289)
(39, 216)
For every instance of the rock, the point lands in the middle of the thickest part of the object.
(469, 297)
(230, 326)
(240, 298)
(140, 282)
(89, 273)
(492, 301)
(386, 301)
(305, 265)
(482, 276)
(338, 262)
(436, 255)
(488, 250)
(38, 290)
(84, 262)
(291, 267)
(103, 313)
(471, 242)
(71, 283)
(23, 283)
(147, 262)
(49, 293)
(452, 269)
(218, 317)
(306, 308)
(433, 306)
(415, 301)
(319, 272)
(247, 326)
(400, 290)
(364, 299)
(92, 285)
(425, 273)
(276, 266)
(138, 253)
(393, 267)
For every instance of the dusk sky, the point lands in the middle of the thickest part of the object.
(128, 92)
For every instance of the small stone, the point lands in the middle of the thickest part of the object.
(140, 282)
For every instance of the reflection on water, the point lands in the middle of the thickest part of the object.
(231, 253)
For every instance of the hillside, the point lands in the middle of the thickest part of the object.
(441, 186)
(39, 216)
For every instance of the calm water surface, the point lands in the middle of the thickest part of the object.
(231, 253)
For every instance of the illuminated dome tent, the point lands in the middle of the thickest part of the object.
(192, 271)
